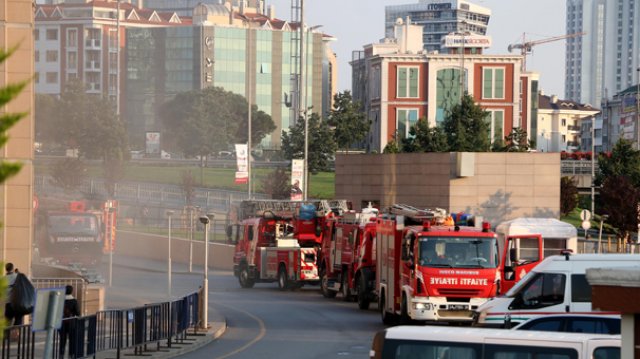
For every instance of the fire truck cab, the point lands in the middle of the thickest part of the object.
(430, 269)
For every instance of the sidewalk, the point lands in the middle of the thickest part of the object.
(194, 340)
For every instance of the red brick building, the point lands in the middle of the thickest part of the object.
(399, 83)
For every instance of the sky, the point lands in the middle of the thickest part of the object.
(356, 23)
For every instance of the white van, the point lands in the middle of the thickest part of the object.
(557, 285)
(438, 342)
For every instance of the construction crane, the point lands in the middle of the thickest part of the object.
(526, 47)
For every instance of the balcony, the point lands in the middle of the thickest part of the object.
(573, 128)
(573, 144)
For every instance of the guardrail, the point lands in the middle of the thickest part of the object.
(577, 167)
(111, 331)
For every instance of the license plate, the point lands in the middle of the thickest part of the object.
(457, 307)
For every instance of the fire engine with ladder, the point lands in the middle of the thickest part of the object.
(346, 261)
(278, 241)
(430, 269)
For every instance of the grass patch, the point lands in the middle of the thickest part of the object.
(321, 185)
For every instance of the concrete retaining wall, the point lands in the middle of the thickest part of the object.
(151, 246)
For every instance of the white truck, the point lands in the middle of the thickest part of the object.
(555, 286)
(526, 241)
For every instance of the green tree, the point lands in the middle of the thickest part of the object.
(44, 110)
(207, 121)
(425, 139)
(568, 195)
(350, 123)
(7, 120)
(321, 146)
(620, 199)
(68, 173)
(624, 161)
(391, 147)
(89, 123)
(467, 128)
(188, 187)
(517, 141)
(277, 184)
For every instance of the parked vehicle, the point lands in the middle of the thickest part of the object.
(430, 269)
(346, 261)
(573, 323)
(278, 241)
(527, 241)
(439, 342)
(557, 285)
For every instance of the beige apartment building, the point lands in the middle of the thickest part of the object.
(16, 27)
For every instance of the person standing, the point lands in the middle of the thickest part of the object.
(68, 328)
(9, 313)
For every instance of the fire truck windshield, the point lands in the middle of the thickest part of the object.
(458, 252)
(73, 224)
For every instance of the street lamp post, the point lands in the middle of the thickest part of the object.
(593, 165)
(169, 214)
(602, 219)
(206, 220)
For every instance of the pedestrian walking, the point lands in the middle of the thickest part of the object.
(68, 328)
(9, 312)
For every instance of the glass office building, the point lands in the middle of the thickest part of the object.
(162, 62)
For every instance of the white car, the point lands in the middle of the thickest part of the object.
(573, 323)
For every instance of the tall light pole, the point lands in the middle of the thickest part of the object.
(206, 220)
(593, 164)
(118, 59)
(252, 73)
(638, 113)
(303, 102)
(169, 214)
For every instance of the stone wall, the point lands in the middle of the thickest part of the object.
(496, 186)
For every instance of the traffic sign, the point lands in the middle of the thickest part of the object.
(585, 215)
(586, 225)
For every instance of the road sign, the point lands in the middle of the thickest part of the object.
(586, 225)
(585, 215)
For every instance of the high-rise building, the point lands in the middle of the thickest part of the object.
(439, 18)
(603, 61)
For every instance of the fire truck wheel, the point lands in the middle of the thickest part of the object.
(324, 286)
(387, 318)
(283, 281)
(244, 279)
(404, 312)
(346, 291)
(363, 300)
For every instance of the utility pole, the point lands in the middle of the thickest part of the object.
(593, 164)
(249, 98)
(303, 103)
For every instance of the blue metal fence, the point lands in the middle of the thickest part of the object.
(113, 331)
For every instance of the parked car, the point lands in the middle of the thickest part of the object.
(574, 323)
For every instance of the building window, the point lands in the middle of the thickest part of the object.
(448, 92)
(37, 77)
(493, 83)
(496, 125)
(564, 122)
(405, 119)
(407, 82)
(37, 56)
(72, 60)
(36, 34)
(52, 56)
(52, 34)
(72, 37)
(52, 77)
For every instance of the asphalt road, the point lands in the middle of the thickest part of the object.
(263, 322)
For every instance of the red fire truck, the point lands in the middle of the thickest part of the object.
(280, 242)
(346, 259)
(430, 269)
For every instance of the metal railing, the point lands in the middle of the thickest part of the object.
(111, 331)
(576, 167)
